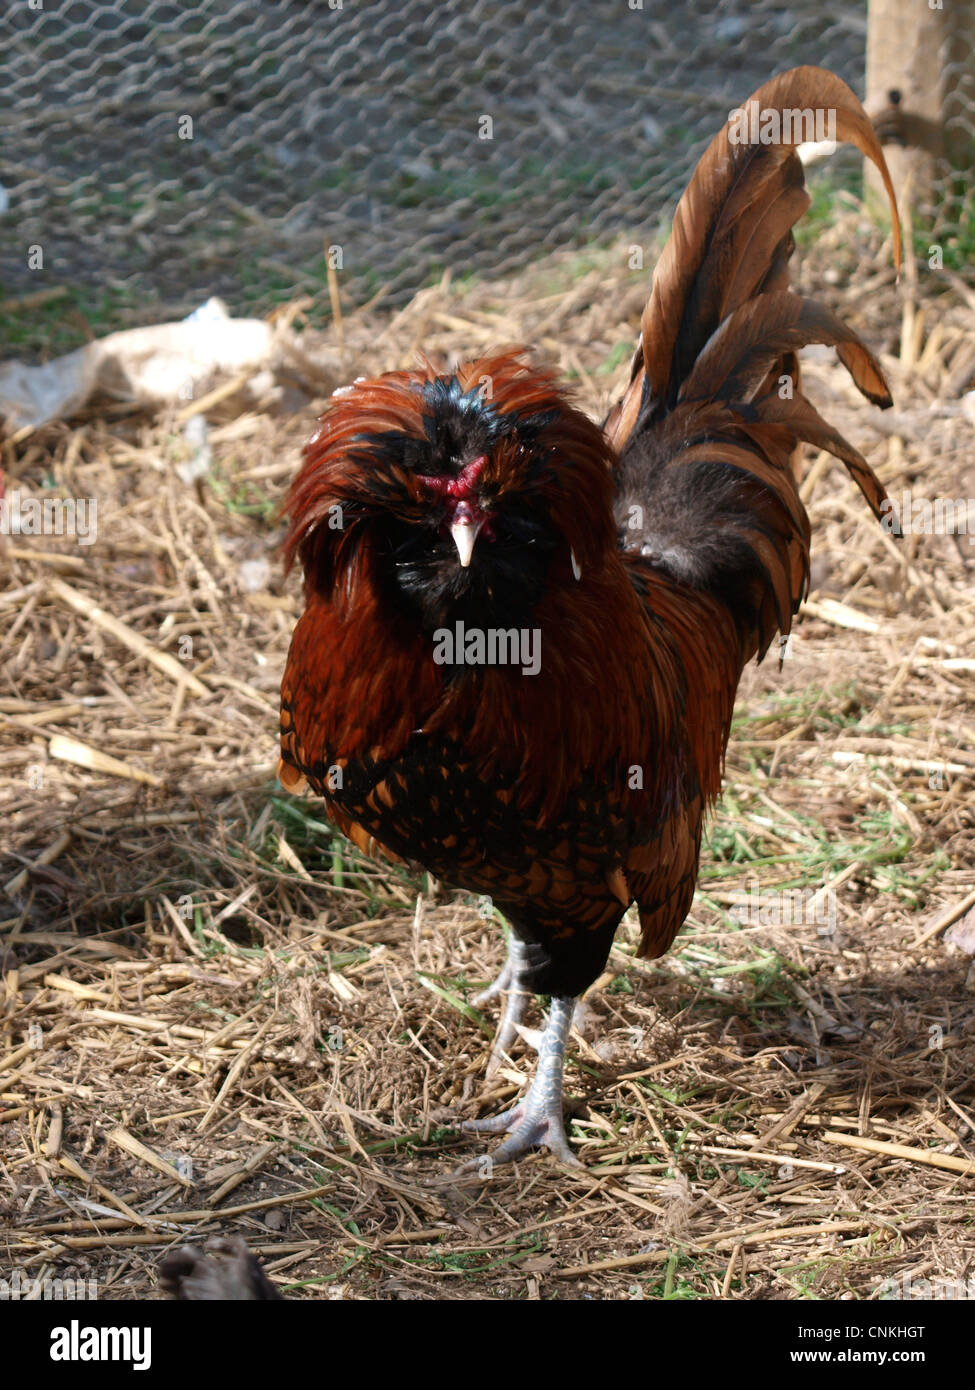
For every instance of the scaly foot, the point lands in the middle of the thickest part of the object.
(536, 1120)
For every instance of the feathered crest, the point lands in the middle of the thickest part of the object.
(380, 439)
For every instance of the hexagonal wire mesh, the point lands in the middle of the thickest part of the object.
(415, 135)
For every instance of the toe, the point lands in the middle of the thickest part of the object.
(493, 1124)
(526, 1132)
(536, 1134)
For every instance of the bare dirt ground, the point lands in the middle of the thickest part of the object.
(218, 1018)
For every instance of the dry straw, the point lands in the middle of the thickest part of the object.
(215, 1019)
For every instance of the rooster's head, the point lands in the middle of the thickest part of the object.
(459, 494)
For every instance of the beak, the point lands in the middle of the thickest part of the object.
(463, 533)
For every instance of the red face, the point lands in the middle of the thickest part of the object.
(464, 517)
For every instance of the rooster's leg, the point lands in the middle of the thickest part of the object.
(510, 971)
(537, 1119)
(516, 1001)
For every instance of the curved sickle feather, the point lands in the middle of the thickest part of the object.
(732, 239)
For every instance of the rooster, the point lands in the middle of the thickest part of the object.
(449, 522)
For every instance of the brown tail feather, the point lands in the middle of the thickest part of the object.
(741, 352)
(807, 424)
(710, 425)
(732, 238)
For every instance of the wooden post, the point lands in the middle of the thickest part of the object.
(919, 58)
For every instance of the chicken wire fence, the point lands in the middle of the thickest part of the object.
(165, 152)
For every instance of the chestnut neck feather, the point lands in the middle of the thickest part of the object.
(377, 585)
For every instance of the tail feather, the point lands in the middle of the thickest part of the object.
(748, 255)
(728, 519)
(732, 235)
(711, 422)
(807, 424)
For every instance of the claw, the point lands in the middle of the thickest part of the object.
(528, 1131)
